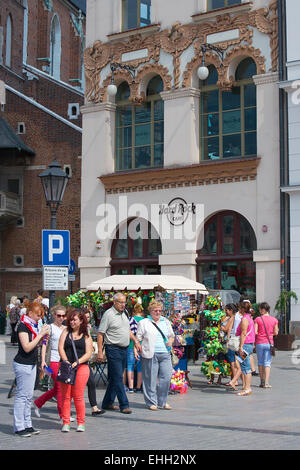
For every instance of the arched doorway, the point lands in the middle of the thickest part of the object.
(136, 249)
(226, 259)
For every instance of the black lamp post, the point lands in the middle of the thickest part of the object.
(54, 181)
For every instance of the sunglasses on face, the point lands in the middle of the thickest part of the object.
(60, 316)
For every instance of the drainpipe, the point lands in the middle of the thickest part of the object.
(284, 156)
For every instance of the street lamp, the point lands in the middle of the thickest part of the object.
(203, 71)
(112, 89)
(54, 181)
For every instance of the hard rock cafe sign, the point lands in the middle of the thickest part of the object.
(177, 211)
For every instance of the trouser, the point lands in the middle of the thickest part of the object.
(158, 367)
(116, 363)
(25, 378)
(77, 393)
(91, 384)
(14, 336)
(54, 392)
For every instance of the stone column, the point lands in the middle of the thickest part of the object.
(267, 255)
(181, 135)
(98, 124)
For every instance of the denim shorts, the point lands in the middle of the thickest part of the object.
(264, 356)
(230, 356)
(245, 365)
(131, 361)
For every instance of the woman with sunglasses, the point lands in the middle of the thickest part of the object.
(50, 347)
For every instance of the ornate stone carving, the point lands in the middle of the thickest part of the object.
(222, 171)
(95, 58)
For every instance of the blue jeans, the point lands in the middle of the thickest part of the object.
(116, 364)
(245, 365)
(25, 377)
(131, 362)
(264, 356)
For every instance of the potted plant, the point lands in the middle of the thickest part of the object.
(283, 341)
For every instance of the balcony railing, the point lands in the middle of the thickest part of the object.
(10, 206)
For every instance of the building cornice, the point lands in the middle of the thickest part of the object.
(266, 78)
(206, 173)
(95, 108)
(152, 28)
(242, 8)
(180, 93)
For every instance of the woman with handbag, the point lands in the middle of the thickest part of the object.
(157, 337)
(50, 357)
(24, 365)
(75, 349)
(266, 327)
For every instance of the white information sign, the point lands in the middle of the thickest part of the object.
(55, 278)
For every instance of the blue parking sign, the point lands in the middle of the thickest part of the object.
(56, 247)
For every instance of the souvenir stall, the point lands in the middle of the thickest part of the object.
(181, 298)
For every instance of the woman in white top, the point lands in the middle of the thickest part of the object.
(50, 345)
(235, 368)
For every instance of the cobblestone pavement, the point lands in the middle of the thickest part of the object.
(207, 417)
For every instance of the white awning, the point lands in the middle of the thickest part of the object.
(145, 282)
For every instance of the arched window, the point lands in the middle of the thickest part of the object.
(226, 259)
(135, 249)
(25, 31)
(8, 41)
(140, 129)
(55, 48)
(228, 118)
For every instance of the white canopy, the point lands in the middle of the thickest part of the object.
(134, 282)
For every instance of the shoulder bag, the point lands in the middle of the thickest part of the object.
(272, 348)
(234, 342)
(174, 358)
(67, 374)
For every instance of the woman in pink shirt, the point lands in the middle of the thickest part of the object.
(246, 331)
(266, 327)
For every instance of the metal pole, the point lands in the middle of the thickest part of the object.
(53, 227)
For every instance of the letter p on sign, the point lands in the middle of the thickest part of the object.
(56, 247)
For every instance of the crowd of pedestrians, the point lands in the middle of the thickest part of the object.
(142, 343)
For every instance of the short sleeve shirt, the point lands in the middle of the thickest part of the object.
(22, 357)
(115, 327)
(270, 322)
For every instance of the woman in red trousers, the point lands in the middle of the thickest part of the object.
(50, 345)
(78, 328)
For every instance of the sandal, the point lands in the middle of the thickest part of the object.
(167, 406)
(267, 386)
(232, 386)
(244, 393)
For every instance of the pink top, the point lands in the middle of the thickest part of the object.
(250, 338)
(270, 322)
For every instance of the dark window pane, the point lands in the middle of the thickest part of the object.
(124, 159)
(158, 110)
(154, 248)
(130, 14)
(124, 137)
(158, 132)
(142, 157)
(232, 146)
(231, 99)
(210, 240)
(143, 134)
(231, 122)
(123, 92)
(210, 101)
(214, 4)
(210, 125)
(208, 275)
(159, 155)
(124, 115)
(137, 248)
(250, 119)
(246, 279)
(250, 95)
(13, 186)
(247, 240)
(121, 271)
(137, 270)
(210, 148)
(250, 143)
(143, 113)
(121, 249)
(246, 69)
(155, 86)
(153, 269)
(228, 234)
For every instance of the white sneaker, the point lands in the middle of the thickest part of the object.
(37, 412)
